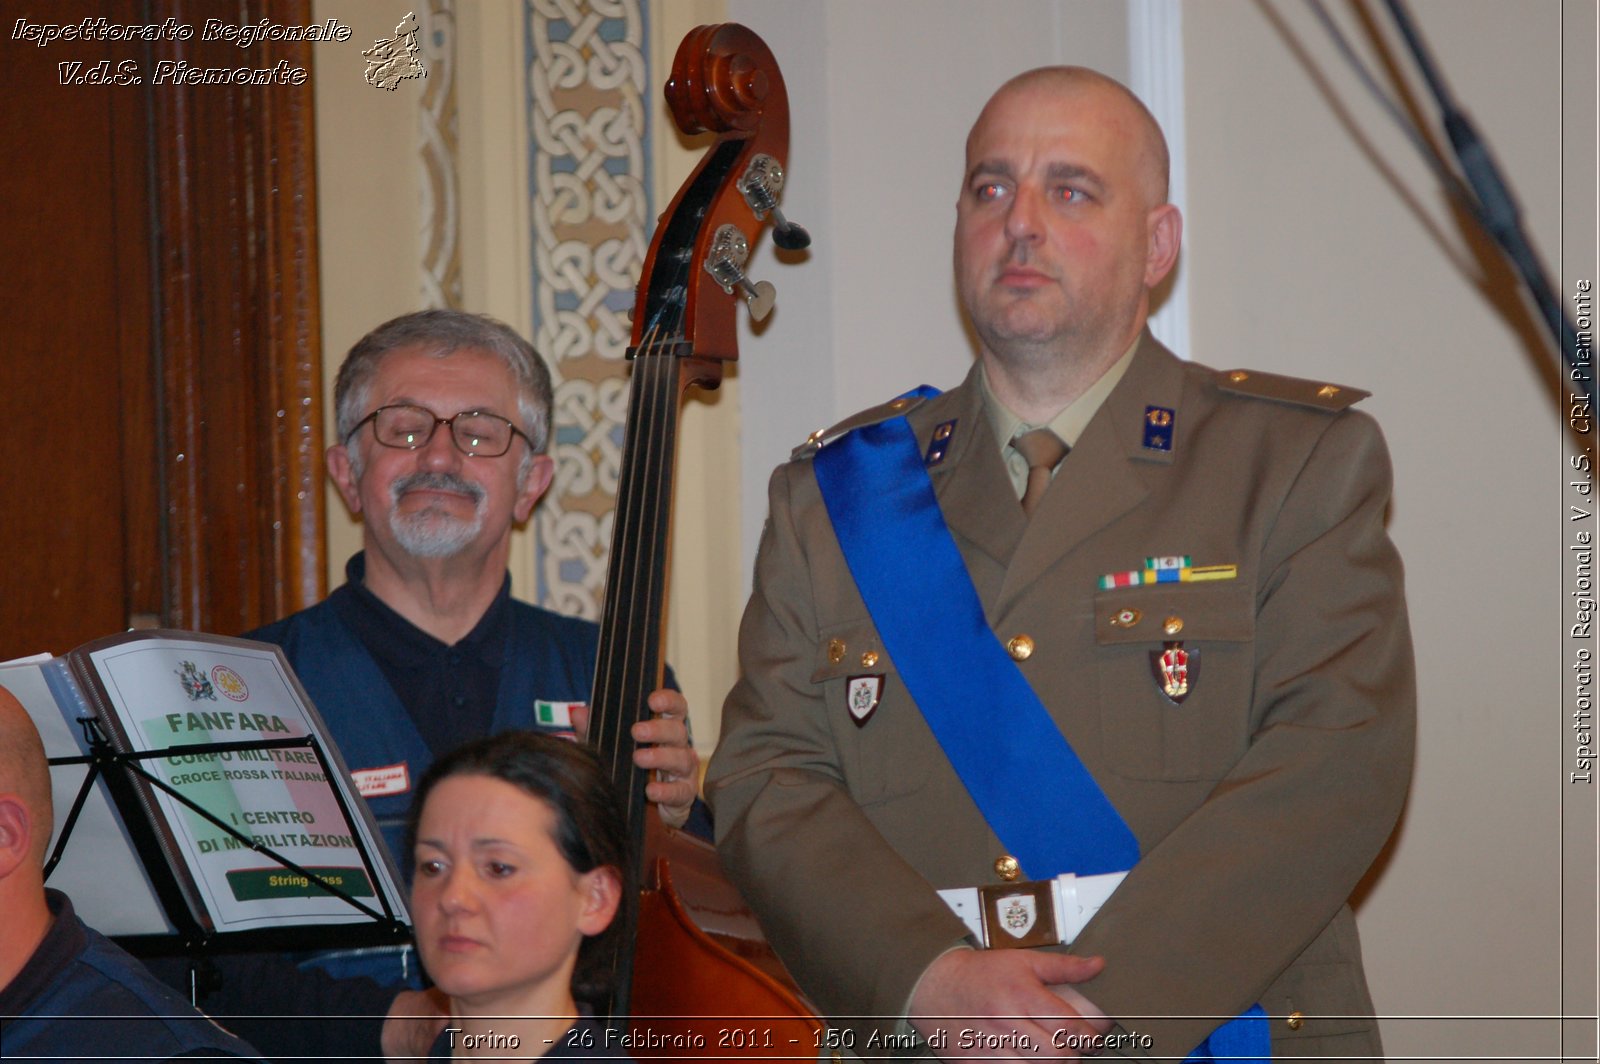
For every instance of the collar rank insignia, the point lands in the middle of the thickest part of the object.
(1158, 422)
(861, 695)
(1176, 670)
(939, 444)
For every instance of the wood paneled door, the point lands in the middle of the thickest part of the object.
(160, 392)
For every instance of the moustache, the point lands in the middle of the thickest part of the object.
(430, 481)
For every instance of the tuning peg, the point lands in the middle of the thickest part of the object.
(759, 297)
(761, 183)
(725, 262)
(786, 234)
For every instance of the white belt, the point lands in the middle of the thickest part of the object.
(1039, 913)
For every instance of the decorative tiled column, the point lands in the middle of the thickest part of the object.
(588, 190)
(440, 208)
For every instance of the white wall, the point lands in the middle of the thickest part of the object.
(1320, 245)
(369, 239)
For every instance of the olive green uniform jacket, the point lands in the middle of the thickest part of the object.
(1258, 803)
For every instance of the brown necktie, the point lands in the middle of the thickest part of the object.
(1043, 451)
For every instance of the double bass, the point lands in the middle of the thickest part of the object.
(700, 981)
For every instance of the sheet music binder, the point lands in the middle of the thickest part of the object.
(199, 802)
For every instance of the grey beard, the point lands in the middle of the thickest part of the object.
(431, 533)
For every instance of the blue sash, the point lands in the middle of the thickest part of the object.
(1020, 770)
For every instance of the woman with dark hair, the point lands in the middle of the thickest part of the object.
(521, 877)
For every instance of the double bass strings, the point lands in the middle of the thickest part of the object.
(631, 633)
(630, 652)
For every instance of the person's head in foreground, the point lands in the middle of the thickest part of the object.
(521, 872)
(66, 991)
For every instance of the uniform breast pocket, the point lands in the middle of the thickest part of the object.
(1175, 669)
(884, 744)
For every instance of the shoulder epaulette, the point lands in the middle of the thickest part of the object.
(870, 416)
(1318, 394)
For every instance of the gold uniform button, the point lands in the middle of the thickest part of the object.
(1172, 625)
(1007, 867)
(1295, 1021)
(836, 650)
(1238, 375)
(1020, 647)
(869, 659)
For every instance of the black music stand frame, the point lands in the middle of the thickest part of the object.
(122, 770)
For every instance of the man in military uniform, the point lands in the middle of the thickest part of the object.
(1200, 598)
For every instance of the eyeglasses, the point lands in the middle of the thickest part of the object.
(475, 433)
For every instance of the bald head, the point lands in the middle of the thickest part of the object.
(1062, 230)
(1071, 86)
(24, 771)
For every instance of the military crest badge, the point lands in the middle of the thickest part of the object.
(861, 696)
(194, 682)
(1019, 915)
(1176, 669)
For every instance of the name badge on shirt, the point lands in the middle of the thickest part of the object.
(387, 779)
